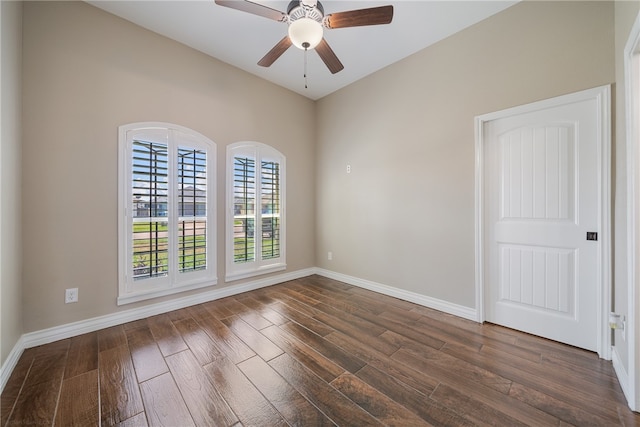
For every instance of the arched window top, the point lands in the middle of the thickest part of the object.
(264, 150)
(153, 128)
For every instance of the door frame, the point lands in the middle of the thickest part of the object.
(602, 95)
(630, 378)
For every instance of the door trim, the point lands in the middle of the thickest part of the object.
(629, 379)
(602, 95)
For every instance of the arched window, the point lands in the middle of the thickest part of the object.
(166, 211)
(255, 226)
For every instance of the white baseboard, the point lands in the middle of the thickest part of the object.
(56, 333)
(623, 379)
(434, 303)
(12, 360)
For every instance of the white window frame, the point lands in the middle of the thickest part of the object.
(130, 290)
(260, 152)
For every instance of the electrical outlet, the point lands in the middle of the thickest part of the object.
(71, 295)
(348, 168)
(329, 256)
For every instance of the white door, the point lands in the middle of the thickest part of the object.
(542, 201)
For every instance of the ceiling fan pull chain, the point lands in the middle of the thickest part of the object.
(306, 49)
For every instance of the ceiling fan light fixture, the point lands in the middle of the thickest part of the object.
(305, 33)
(307, 21)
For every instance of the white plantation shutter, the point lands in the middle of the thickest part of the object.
(192, 209)
(255, 195)
(270, 208)
(166, 203)
(149, 187)
(244, 202)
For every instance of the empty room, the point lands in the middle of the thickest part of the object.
(261, 213)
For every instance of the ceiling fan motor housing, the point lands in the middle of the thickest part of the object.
(302, 9)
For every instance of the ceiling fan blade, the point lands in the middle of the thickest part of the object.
(360, 17)
(328, 57)
(276, 52)
(254, 8)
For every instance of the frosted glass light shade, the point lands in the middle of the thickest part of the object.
(305, 30)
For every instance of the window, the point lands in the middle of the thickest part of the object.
(255, 210)
(167, 211)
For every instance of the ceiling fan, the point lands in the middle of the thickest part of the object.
(307, 21)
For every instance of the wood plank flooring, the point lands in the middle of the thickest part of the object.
(311, 352)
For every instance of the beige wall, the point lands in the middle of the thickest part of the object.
(404, 217)
(10, 219)
(85, 73)
(625, 15)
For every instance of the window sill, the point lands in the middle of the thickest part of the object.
(257, 272)
(145, 295)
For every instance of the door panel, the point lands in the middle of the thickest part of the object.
(538, 172)
(538, 278)
(541, 197)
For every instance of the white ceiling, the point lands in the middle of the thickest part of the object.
(242, 39)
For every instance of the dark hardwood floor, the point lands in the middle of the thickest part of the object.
(311, 352)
